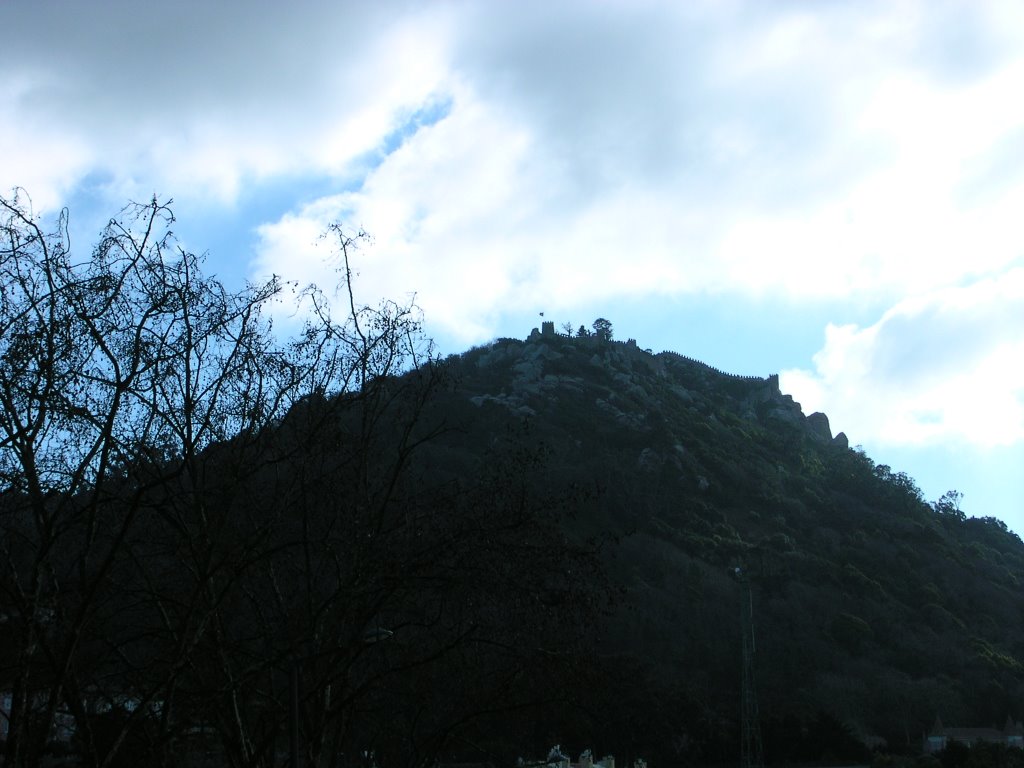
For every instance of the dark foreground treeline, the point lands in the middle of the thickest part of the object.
(218, 547)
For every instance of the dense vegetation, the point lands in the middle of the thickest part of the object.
(874, 610)
(224, 548)
(221, 547)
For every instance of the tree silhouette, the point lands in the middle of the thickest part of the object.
(191, 508)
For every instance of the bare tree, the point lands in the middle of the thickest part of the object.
(118, 375)
(194, 514)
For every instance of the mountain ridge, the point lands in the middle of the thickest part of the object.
(787, 407)
(876, 609)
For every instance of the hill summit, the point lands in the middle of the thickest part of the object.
(873, 609)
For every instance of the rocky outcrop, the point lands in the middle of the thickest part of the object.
(754, 399)
(785, 408)
(818, 427)
(513, 403)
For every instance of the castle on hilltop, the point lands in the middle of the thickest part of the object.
(547, 331)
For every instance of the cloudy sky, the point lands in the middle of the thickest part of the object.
(831, 191)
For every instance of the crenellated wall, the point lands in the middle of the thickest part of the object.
(773, 379)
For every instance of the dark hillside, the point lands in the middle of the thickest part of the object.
(874, 611)
(224, 547)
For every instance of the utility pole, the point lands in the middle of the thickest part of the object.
(293, 715)
(751, 754)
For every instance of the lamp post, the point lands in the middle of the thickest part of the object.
(293, 714)
(751, 755)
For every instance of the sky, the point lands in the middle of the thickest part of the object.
(828, 191)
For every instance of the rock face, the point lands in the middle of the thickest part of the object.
(818, 427)
(624, 380)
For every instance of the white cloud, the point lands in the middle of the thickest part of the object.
(204, 97)
(947, 366)
(591, 150)
(445, 223)
(602, 151)
(834, 155)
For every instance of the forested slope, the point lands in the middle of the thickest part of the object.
(223, 546)
(874, 610)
